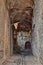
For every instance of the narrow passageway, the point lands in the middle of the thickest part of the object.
(22, 60)
(20, 14)
(21, 32)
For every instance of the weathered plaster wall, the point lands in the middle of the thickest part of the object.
(2, 17)
(37, 35)
(41, 33)
(4, 31)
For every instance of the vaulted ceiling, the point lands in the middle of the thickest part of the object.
(19, 3)
(21, 11)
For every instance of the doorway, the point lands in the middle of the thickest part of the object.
(22, 31)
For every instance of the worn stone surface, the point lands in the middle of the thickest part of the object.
(38, 31)
(22, 60)
(4, 34)
(41, 35)
(1, 28)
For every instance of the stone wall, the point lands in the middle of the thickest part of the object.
(35, 32)
(4, 31)
(41, 33)
(1, 28)
(37, 35)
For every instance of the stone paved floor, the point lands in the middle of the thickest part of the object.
(22, 60)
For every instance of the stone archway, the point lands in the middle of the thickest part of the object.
(11, 45)
(14, 9)
(23, 26)
(37, 34)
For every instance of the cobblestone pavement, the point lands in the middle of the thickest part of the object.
(22, 60)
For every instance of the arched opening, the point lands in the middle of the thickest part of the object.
(21, 25)
(22, 30)
(37, 34)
